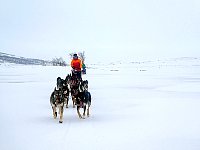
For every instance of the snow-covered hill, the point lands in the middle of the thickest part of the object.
(150, 105)
(9, 58)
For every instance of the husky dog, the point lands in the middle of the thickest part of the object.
(74, 86)
(83, 99)
(66, 94)
(59, 83)
(67, 79)
(57, 101)
(83, 85)
(74, 92)
(64, 85)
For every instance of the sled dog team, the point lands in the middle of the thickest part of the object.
(78, 89)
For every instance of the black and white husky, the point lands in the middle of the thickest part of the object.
(57, 102)
(83, 99)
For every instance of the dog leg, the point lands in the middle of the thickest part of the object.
(67, 101)
(79, 114)
(84, 109)
(59, 110)
(88, 111)
(73, 100)
(61, 114)
(54, 112)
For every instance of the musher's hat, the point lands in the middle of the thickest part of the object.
(75, 56)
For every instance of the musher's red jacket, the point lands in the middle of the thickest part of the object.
(76, 64)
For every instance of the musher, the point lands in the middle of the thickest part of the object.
(76, 65)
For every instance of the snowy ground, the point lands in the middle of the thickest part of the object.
(151, 105)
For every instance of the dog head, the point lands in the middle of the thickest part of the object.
(59, 82)
(68, 78)
(58, 94)
(84, 85)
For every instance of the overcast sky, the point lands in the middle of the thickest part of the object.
(109, 29)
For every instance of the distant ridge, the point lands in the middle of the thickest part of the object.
(10, 58)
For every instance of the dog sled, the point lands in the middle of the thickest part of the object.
(74, 88)
(84, 71)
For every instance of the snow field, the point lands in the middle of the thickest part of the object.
(135, 106)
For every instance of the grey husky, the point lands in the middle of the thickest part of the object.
(57, 101)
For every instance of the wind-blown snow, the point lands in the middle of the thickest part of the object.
(140, 105)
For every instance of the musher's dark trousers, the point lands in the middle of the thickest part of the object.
(77, 73)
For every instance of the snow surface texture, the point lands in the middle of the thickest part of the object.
(139, 105)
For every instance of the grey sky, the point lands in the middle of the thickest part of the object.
(109, 29)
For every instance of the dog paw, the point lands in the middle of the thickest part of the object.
(80, 117)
